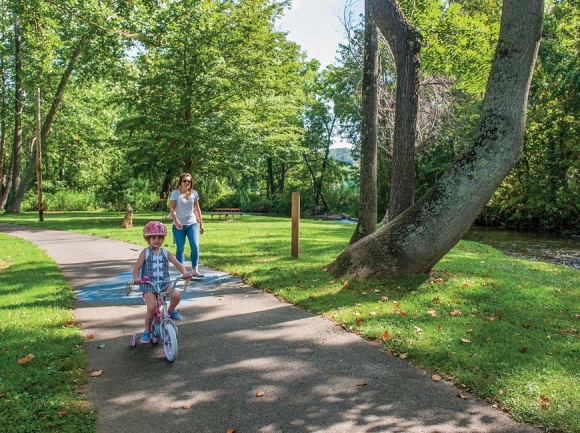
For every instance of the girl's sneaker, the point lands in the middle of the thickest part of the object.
(146, 337)
(175, 315)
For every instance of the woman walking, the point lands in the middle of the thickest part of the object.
(187, 221)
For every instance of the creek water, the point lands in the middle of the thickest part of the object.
(530, 245)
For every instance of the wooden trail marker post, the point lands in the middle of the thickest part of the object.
(39, 159)
(295, 224)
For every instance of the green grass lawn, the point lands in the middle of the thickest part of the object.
(502, 329)
(42, 361)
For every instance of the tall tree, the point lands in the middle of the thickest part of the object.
(419, 237)
(405, 43)
(367, 219)
(15, 166)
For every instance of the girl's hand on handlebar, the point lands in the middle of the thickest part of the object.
(187, 275)
(137, 281)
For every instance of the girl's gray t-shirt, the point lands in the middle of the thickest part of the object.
(184, 208)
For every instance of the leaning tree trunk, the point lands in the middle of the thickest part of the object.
(405, 44)
(18, 106)
(418, 238)
(367, 219)
(14, 206)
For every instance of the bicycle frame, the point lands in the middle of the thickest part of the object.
(163, 326)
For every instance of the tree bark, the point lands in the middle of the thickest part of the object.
(405, 44)
(417, 239)
(16, 161)
(367, 219)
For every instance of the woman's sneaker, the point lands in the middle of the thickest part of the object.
(175, 315)
(146, 337)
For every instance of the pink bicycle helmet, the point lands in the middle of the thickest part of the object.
(154, 228)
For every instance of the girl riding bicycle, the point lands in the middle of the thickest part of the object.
(153, 262)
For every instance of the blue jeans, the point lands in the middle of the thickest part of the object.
(192, 234)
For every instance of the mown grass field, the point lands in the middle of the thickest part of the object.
(504, 330)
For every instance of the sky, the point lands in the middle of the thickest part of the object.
(316, 26)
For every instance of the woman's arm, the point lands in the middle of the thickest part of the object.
(197, 211)
(172, 207)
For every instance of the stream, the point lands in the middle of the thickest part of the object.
(530, 245)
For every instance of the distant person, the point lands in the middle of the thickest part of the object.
(153, 262)
(187, 221)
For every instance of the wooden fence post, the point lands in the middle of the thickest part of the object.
(295, 224)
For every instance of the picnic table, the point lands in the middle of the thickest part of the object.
(226, 211)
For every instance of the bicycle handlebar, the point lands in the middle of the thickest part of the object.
(129, 285)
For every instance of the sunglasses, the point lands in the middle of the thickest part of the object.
(186, 181)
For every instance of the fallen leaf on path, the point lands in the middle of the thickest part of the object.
(361, 384)
(260, 394)
(232, 430)
(26, 359)
(186, 406)
(96, 373)
(90, 337)
(436, 378)
(461, 396)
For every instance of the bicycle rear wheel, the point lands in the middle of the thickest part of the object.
(170, 342)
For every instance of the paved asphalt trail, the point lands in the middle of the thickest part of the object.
(235, 342)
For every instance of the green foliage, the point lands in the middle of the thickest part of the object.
(61, 201)
(41, 394)
(542, 190)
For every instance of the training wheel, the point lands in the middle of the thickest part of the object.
(133, 340)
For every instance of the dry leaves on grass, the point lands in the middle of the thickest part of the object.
(26, 359)
(386, 335)
(544, 401)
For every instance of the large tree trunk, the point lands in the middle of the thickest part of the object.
(4, 176)
(16, 161)
(367, 219)
(418, 238)
(405, 44)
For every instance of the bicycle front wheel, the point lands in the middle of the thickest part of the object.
(170, 342)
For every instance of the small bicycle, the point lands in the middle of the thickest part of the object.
(163, 326)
